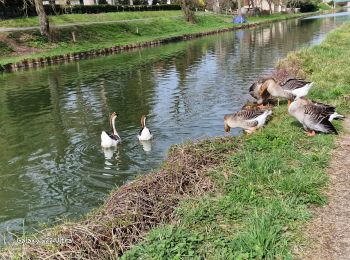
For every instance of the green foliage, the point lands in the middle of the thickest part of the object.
(304, 5)
(324, 6)
(169, 242)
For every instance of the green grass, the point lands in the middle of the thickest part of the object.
(5, 50)
(324, 6)
(107, 35)
(266, 188)
(87, 18)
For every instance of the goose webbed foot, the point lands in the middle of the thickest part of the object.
(311, 133)
(251, 130)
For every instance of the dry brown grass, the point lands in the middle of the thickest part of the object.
(290, 67)
(134, 208)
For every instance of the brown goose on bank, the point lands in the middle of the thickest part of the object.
(315, 117)
(290, 89)
(248, 119)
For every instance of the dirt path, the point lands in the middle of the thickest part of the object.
(330, 230)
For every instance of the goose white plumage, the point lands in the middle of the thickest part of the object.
(145, 133)
(110, 139)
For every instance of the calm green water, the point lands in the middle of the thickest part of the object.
(51, 164)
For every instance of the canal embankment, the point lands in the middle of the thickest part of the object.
(246, 196)
(28, 49)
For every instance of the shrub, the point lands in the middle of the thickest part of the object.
(304, 5)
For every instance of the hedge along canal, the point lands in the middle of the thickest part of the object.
(57, 170)
(81, 42)
(234, 197)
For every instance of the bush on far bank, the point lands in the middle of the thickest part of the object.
(304, 5)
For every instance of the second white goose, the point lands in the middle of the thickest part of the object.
(145, 133)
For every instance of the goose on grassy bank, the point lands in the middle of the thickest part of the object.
(290, 89)
(315, 117)
(249, 119)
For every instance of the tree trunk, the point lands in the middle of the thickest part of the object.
(216, 6)
(131, 2)
(44, 22)
(239, 7)
(252, 4)
(186, 6)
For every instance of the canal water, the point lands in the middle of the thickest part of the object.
(51, 164)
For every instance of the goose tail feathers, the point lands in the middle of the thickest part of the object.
(336, 116)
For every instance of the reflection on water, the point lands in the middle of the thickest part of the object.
(146, 145)
(51, 162)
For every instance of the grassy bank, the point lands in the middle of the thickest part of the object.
(100, 36)
(266, 187)
(87, 18)
(243, 197)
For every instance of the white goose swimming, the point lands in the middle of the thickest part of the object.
(145, 133)
(110, 139)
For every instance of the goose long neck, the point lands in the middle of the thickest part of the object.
(276, 90)
(113, 126)
(271, 83)
(110, 122)
(143, 122)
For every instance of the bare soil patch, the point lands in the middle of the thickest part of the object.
(329, 231)
(18, 49)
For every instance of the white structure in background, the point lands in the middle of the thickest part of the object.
(90, 2)
(264, 5)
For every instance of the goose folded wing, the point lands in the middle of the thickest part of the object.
(249, 114)
(292, 84)
(326, 108)
(317, 119)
